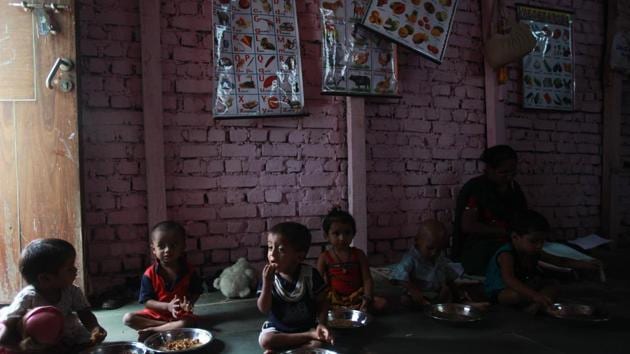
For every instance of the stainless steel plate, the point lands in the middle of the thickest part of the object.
(577, 312)
(310, 351)
(118, 348)
(347, 318)
(158, 341)
(455, 313)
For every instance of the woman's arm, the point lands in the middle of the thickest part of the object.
(321, 267)
(366, 276)
(506, 265)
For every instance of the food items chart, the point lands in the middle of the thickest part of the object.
(421, 25)
(355, 60)
(257, 66)
(548, 81)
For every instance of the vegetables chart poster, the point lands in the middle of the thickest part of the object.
(257, 65)
(548, 80)
(355, 60)
(420, 25)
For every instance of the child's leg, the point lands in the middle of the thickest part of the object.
(379, 304)
(273, 340)
(510, 297)
(138, 321)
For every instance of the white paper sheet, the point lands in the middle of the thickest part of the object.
(589, 242)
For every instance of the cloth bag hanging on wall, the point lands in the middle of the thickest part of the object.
(502, 49)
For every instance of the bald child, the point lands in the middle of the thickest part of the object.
(423, 272)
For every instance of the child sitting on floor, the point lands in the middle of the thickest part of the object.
(513, 276)
(169, 288)
(292, 294)
(47, 265)
(345, 268)
(424, 271)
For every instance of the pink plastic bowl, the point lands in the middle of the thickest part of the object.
(43, 324)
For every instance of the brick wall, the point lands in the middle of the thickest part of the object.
(112, 148)
(560, 167)
(228, 181)
(423, 147)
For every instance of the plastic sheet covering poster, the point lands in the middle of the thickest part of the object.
(548, 81)
(420, 25)
(356, 61)
(257, 66)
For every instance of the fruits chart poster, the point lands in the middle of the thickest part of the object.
(257, 65)
(548, 81)
(420, 25)
(355, 60)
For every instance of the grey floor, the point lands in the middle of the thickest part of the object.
(236, 324)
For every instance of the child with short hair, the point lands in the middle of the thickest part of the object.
(346, 269)
(513, 276)
(170, 286)
(292, 294)
(48, 266)
(423, 271)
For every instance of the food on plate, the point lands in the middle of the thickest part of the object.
(244, 4)
(266, 44)
(441, 16)
(250, 104)
(270, 81)
(433, 49)
(420, 37)
(181, 344)
(398, 8)
(391, 24)
(247, 40)
(340, 323)
(375, 18)
(429, 7)
(437, 31)
(405, 31)
(273, 102)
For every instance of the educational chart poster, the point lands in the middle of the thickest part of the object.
(355, 60)
(420, 25)
(257, 66)
(548, 81)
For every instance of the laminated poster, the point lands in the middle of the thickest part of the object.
(420, 25)
(548, 81)
(257, 66)
(355, 61)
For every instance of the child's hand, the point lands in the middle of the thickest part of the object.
(542, 299)
(417, 297)
(186, 306)
(322, 333)
(174, 307)
(268, 272)
(97, 335)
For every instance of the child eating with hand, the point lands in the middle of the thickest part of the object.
(169, 288)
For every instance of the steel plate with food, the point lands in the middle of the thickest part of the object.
(454, 313)
(347, 318)
(309, 351)
(181, 340)
(118, 348)
(577, 312)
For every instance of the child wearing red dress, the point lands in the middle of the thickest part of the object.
(345, 268)
(169, 288)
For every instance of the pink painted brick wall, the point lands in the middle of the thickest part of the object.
(228, 181)
(561, 152)
(423, 147)
(113, 176)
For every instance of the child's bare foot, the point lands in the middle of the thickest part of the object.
(143, 334)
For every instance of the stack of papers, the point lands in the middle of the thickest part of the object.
(589, 242)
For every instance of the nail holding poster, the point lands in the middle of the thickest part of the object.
(257, 64)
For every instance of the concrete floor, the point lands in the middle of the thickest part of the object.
(236, 325)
